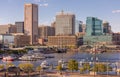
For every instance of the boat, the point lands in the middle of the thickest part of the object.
(26, 57)
(30, 57)
(38, 56)
(44, 64)
(49, 56)
(8, 58)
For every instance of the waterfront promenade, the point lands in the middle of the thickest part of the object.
(36, 74)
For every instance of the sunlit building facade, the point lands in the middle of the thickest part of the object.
(62, 41)
(44, 31)
(7, 29)
(65, 24)
(31, 22)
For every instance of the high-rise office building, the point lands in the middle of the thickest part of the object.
(45, 31)
(20, 27)
(78, 26)
(93, 26)
(106, 28)
(31, 22)
(65, 24)
(7, 29)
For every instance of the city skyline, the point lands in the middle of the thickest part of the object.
(106, 10)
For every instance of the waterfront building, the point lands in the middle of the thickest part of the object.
(19, 27)
(106, 28)
(17, 40)
(84, 28)
(41, 41)
(94, 32)
(78, 26)
(44, 31)
(7, 29)
(21, 40)
(62, 41)
(6, 40)
(103, 39)
(94, 26)
(31, 22)
(65, 24)
(116, 38)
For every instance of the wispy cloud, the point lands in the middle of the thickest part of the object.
(116, 11)
(45, 5)
(40, 0)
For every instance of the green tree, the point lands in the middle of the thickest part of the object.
(26, 67)
(73, 65)
(10, 65)
(86, 66)
(59, 67)
(101, 68)
(1, 66)
(39, 69)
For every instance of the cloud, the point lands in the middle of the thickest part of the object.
(45, 4)
(116, 11)
(40, 0)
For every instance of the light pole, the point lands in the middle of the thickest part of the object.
(94, 56)
(107, 68)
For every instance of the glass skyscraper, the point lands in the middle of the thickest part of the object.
(94, 26)
(94, 32)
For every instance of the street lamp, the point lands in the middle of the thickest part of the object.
(61, 62)
(107, 69)
(6, 69)
(94, 59)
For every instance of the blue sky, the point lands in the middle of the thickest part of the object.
(108, 10)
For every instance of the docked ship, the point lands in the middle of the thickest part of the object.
(8, 58)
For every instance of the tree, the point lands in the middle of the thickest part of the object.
(73, 65)
(10, 65)
(1, 66)
(86, 66)
(39, 69)
(26, 67)
(59, 67)
(101, 68)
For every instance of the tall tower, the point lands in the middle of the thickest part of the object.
(31, 22)
(65, 24)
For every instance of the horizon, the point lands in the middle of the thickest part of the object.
(106, 10)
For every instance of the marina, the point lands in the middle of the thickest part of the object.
(80, 57)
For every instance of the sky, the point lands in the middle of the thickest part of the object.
(106, 10)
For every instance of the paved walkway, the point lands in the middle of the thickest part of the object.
(34, 74)
(79, 75)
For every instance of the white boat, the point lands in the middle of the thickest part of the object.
(38, 56)
(26, 57)
(44, 64)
